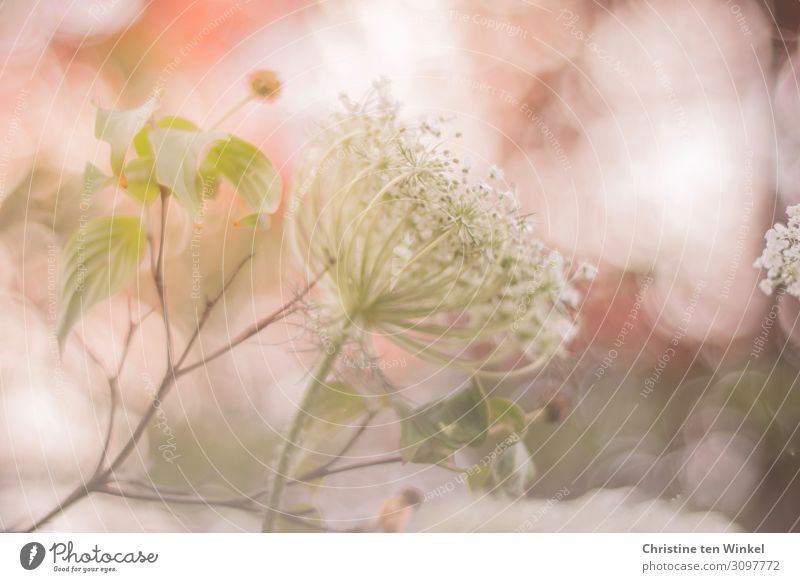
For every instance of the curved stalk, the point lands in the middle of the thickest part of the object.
(232, 111)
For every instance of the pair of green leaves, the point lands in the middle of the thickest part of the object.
(432, 433)
(435, 432)
(102, 256)
(172, 155)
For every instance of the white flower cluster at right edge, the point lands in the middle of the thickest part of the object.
(781, 256)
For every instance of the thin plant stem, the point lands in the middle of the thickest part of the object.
(158, 275)
(232, 111)
(280, 313)
(209, 307)
(326, 472)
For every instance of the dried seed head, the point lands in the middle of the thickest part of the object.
(265, 85)
(434, 260)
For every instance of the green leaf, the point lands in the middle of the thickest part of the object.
(248, 170)
(445, 426)
(94, 180)
(142, 185)
(98, 260)
(141, 142)
(506, 414)
(178, 154)
(118, 128)
(336, 404)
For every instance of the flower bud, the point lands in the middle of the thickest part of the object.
(265, 85)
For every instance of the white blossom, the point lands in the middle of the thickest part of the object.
(781, 256)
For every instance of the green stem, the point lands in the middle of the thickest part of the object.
(298, 424)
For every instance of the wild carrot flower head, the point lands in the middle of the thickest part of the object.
(419, 251)
(781, 256)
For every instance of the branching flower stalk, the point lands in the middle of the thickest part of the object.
(424, 255)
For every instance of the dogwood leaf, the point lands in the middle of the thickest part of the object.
(248, 170)
(99, 259)
(178, 154)
(141, 143)
(140, 180)
(118, 128)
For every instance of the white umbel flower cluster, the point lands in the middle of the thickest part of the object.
(416, 250)
(781, 256)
